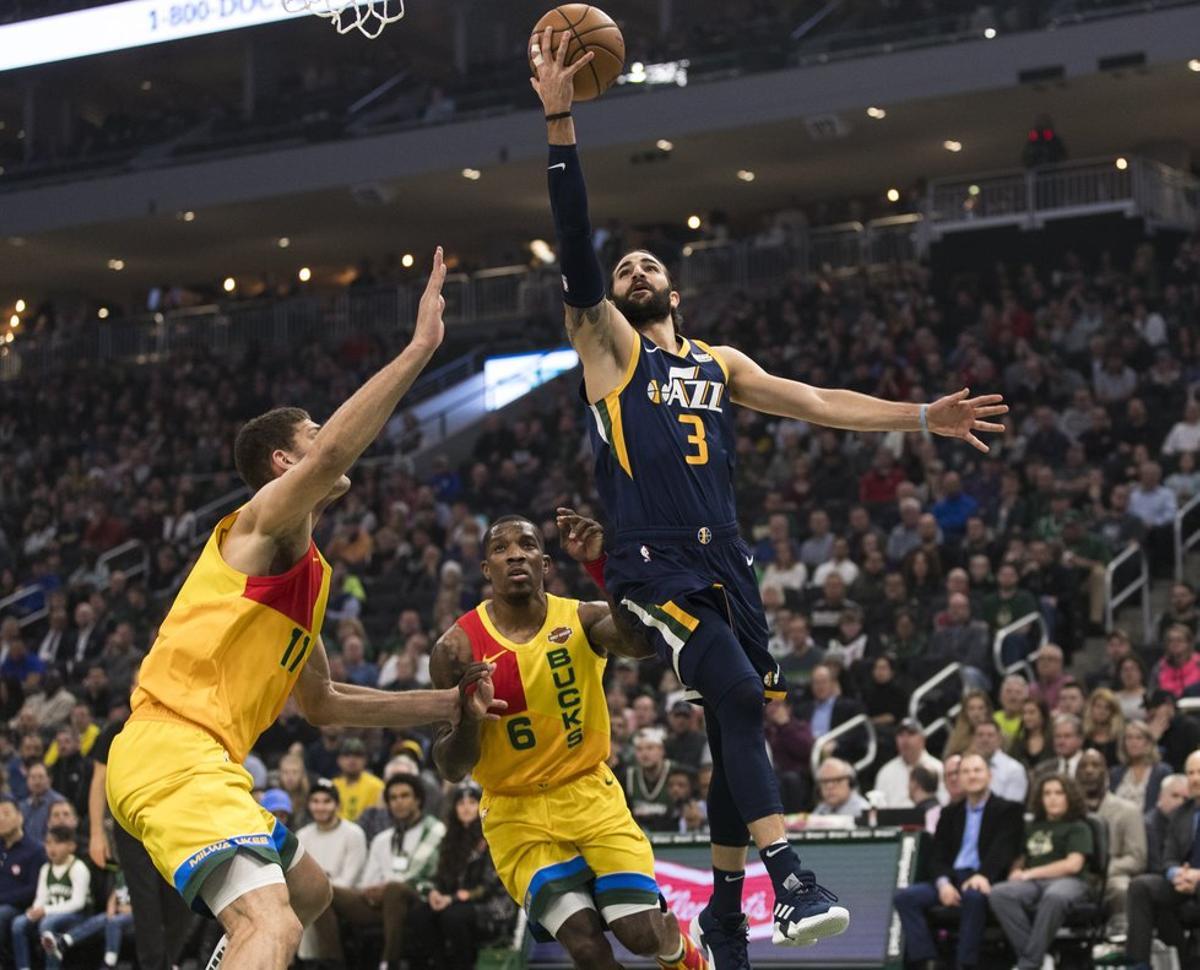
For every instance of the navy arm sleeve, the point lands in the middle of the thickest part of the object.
(583, 279)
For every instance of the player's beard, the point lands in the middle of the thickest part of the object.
(641, 313)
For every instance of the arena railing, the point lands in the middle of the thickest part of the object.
(924, 690)
(1114, 597)
(1184, 542)
(859, 721)
(18, 596)
(134, 550)
(1025, 664)
(1132, 186)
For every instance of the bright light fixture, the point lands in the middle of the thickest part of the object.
(541, 251)
(972, 190)
(147, 85)
(990, 33)
(472, 173)
(665, 146)
(693, 222)
(305, 274)
(102, 313)
(952, 146)
(230, 284)
(1122, 164)
(877, 113)
(116, 265)
(14, 321)
(893, 195)
(19, 306)
(687, 250)
(1194, 65)
(283, 242)
(407, 260)
(746, 175)
(187, 215)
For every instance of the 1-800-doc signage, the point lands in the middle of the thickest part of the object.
(134, 23)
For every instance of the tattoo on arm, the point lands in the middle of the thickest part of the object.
(579, 317)
(456, 749)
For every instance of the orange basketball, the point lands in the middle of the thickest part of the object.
(589, 29)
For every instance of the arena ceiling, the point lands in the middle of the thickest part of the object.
(1099, 115)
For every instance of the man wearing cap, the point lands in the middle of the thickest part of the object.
(338, 847)
(278, 803)
(974, 846)
(684, 744)
(358, 789)
(893, 777)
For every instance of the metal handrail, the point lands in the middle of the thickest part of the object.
(133, 545)
(859, 720)
(221, 505)
(1002, 634)
(918, 695)
(17, 595)
(1182, 543)
(1113, 600)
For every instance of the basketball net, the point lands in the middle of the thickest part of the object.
(368, 17)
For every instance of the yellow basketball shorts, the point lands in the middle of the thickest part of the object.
(578, 835)
(172, 786)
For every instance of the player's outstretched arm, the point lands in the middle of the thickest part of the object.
(456, 748)
(280, 506)
(956, 415)
(608, 630)
(599, 333)
(323, 702)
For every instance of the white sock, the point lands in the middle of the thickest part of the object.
(67, 941)
(110, 959)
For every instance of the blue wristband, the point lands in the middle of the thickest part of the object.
(925, 420)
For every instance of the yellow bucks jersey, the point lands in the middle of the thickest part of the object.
(232, 646)
(556, 724)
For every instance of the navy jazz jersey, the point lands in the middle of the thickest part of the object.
(665, 458)
(664, 440)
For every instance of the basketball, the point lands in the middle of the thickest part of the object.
(591, 29)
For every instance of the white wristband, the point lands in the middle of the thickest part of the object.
(924, 413)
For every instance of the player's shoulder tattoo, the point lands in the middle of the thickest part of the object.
(450, 657)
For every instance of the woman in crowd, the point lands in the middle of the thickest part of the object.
(885, 699)
(923, 571)
(976, 708)
(1049, 875)
(1131, 688)
(1103, 723)
(293, 779)
(1139, 776)
(467, 906)
(1032, 745)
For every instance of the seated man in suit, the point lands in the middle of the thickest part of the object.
(976, 841)
(1160, 902)
(1172, 793)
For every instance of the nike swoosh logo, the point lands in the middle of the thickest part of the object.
(562, 165)
(737, 878)
(492, 658)
(652, 350)
(749, 560)
(772, 852)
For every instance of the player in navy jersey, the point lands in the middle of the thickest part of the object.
(665, 469)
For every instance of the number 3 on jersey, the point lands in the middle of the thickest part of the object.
(697, 439)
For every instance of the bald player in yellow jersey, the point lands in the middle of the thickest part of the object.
(560, 832)
(243, 634)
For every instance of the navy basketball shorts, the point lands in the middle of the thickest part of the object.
(672, 582)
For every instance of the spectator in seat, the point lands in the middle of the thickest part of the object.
(954, 508)
(1014, 692)
(50, 705)
(1179, 667)
(1071, 699)
(853, 642)
(837, 782)
(358, 789)
(1141, 772)
(784, 570)
(1172, 794)
(21, 859)
(1033, 744)
(973, 848)
(1086, 556)
(467, 905)
(884, 697)
(893, 778)
(976, 707)
(818, 547)
(1155, 505)
(790, 741)
(114, 923)
(1067, 735)
(645, 782)
(797, 665)
(877, 487)
(35, 807)
(962, 640)
(1007, 604)
(1131, 688)
(906, 534)
(828, 708)
(1009, 779)
(1181, 610)
(684, 744)
(1049, 875)
(779, 530)
(839, 562)
(399, 871)
(826, 612)
(62, 900)
(1048, 675)
(1126, 835)
(1177, 734)
(1104, 724)
(1184, 436)
(1158, 901)
(71, 774)
(922, 792)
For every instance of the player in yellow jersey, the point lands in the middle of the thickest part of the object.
(560, 833)
(243, 634)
